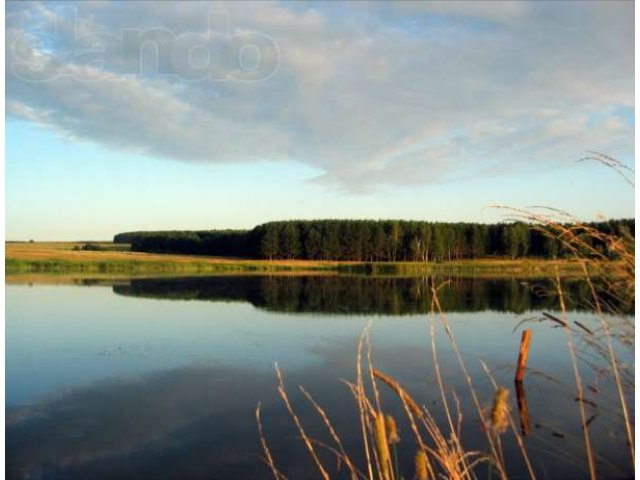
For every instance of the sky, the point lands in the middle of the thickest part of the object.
(197, 115)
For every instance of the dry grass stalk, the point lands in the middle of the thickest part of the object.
(614, 365)
(411, 408)
(376, 392)
(496, 451)
(578, 381)
(414, 415)
(616, 284)
(623, 170)
(305, 437)
(380, 430)
(512, 423)
(336, 438)
(265, 448)
(448, 453)
(362, 402)
(436, 364)
(401, 392)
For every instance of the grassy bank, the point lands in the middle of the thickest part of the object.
(475, 268)
(68, 257)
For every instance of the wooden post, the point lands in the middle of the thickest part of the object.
(524, 354)
(523, 409)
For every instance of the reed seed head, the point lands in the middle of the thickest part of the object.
(383, 446)
(500, 411)
(392, 430)
(422, 470)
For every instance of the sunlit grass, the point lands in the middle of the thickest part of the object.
(70, 257)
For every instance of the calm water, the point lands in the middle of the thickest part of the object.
(160, 378)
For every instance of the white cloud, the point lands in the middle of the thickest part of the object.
(370, 94)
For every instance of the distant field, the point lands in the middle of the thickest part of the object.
(101, 245)
(67, 257)
(63, 257)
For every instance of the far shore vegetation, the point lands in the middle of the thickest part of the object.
(369, 241)
(384, 247)
(106, 258)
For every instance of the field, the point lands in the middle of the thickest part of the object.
(61, 257)
(67, 257)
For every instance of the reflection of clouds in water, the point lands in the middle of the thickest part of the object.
(203, 411)
(131, 415)
(111, 350)
(197, 421)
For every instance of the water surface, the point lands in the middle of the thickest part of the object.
(159, 378)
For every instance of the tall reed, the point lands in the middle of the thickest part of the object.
(440, 450)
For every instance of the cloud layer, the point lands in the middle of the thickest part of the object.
(368, 94)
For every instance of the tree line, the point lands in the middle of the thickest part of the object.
(368, 240)
(224, 243)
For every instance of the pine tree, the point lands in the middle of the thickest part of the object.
(270, 243)
(290, 240)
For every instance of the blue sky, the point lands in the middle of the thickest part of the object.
(421, 111)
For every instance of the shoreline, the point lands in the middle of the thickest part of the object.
(59, 259)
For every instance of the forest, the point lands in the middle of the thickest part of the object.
(367, 240)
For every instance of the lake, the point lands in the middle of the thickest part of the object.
(160, 378)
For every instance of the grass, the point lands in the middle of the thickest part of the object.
(440, 452)
(494, 267)
(53, 257)
(67, 257)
